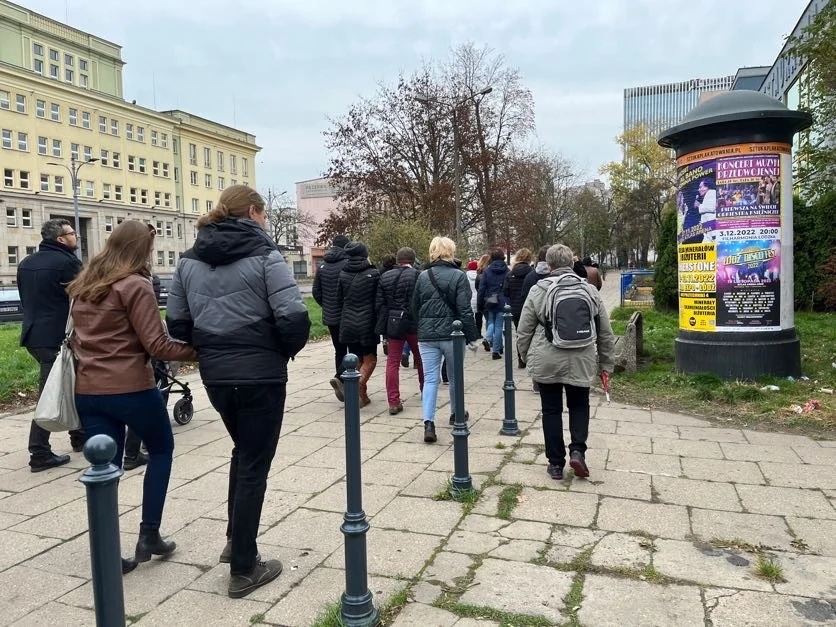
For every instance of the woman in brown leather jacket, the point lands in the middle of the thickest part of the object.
(118, 331)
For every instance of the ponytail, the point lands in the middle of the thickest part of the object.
(235, 202)
(218, 214)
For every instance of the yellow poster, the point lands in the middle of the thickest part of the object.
(697, 287)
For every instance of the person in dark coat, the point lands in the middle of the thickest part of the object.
(593, 274)
(394, 293)
(325, 294)
(513, 287)
(541, 271)
(356, 292)
(42, 280)
(491, 294)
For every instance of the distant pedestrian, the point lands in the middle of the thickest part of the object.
(442, 295)
(492, 296)
(388, 262)
(566, 341)
(42, 280)
(325, 294)
(356, 292)
(479, 314)
(593, 275)
(396, 322)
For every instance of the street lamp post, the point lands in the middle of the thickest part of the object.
(453, 108)
(73, 169)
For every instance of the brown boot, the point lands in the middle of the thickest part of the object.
(366, 369)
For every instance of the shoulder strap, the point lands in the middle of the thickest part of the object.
(443, 295)
(350, 283)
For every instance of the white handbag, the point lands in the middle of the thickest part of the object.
(56, 409)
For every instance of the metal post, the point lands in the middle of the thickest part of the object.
(102, 481)
(358, 608)
(462, 481)
(74, 183)
(509, 423)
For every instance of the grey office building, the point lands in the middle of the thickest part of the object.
(661, 106)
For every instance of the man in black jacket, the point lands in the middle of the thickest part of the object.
(325, 293)
(42, 280)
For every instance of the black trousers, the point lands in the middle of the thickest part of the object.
(478, 316)
(340, 349)
(38, 436)
(551, 402)
(252, 415)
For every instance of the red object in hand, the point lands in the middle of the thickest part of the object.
(605, 379)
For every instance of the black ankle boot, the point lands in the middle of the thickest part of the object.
(150, 543)
(127, 566)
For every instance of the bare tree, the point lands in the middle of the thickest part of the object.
(287, 226)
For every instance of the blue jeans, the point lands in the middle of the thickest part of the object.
(494, 329)
(145, 413)
(431, 356)
(405, 352)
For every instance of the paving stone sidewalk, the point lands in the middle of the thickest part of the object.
(669, 530)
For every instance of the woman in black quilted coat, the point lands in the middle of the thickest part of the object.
(356, 293)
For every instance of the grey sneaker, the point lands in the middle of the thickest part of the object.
(337, 384)
(263, 573)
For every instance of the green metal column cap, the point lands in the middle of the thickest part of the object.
(732, 114)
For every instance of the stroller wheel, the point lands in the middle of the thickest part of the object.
(183, 411)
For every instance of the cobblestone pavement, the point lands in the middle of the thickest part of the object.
(672, 528)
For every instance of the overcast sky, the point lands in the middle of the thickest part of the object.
(279, 68)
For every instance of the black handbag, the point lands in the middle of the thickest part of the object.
(397, 320)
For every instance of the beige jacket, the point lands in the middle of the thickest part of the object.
(548, 364)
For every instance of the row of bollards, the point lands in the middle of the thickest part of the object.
(357, 604)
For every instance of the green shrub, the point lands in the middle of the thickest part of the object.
(665, 278)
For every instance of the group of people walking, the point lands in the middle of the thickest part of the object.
(234, 307)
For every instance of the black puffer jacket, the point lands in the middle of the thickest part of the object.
(395, 292)
(513, 287)
(436, 309)
(234, 299)
(325, 285)
(356, 294)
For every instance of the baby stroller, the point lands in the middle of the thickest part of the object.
(165, 375)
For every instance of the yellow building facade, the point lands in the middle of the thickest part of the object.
(61, 104)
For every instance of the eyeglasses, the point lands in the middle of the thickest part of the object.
(68, 233)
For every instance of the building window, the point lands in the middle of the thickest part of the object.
(116, 163)
(164, 141)
(178, 203)
(221, 183)
(142, 165)
(108, 224)
(193, 154)
(195, 205)
(220, 161)
(179, 231)
(143, 196)
(59, 184)
(53, 54)
(37, 50)
(155, 168)
(82, 65)
(44, 182)
(102, 124)
(30, 250)
(5, 102)
(159, 227)
(176, 174)
(11, 216)
(131, 163)
(56, 148)
(171, 257)
(89, 189)
(85, 119)
(21, 103)
(23, 142)
(55, 112)
(133, 194)
(160, 258)
(114, 127)
(207, 181)
(74, 151)
(168, 228)
(103, 156)
(140, 133)
(53, 71)
(193, 177)
(68, 75)
(207, 158)
(167, 199)
(73, 115)
(165, 170)
(158, 197)
(24, 180)
(26, 218)
(233, 164)
(117, 192)
(153, 138)
(38, 66)
(8, 178)
(129, 131)
(245, 170)
(106, 191)
(83, 81)
(40, 108)
(208, 205)
(68, 60)
(88, 153)
(7, 138)
(12, 255)
(233, 181)
(42, 145)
